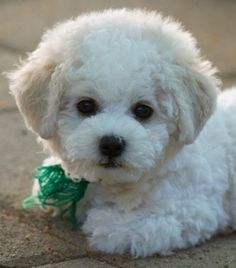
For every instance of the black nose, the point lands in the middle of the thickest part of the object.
(112, 146)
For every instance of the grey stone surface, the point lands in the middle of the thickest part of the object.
(20, 155)
(22, 245)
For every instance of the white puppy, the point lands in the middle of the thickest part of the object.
(123, 99)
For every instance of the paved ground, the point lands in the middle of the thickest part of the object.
(29, 238)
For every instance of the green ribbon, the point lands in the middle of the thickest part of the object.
(57, 190)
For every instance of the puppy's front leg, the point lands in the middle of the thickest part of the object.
(139, 234)
(149, 231)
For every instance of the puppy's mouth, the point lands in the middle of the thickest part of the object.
(110, 163)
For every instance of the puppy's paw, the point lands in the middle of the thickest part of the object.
(140, 235)
(106, 232)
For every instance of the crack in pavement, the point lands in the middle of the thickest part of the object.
(84, 257)
(8, 110)
(228, 74)
(12, 49)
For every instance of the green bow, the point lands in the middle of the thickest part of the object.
(57, 190)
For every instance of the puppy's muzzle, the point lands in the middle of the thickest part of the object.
(112, 146)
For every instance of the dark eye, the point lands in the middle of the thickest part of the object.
(142, 111)
(87, 107)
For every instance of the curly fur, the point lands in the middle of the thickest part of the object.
(175, 186)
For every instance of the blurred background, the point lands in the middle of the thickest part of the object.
(22, 22)
(212, 22)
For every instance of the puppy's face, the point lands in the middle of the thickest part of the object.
(112, 126)
(108, 98)
(111, 141)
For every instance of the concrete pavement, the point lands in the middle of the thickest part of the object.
(31, 239)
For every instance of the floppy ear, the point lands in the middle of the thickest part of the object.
(196, 101)
(37, 88)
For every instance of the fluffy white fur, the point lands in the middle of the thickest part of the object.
(176, 186)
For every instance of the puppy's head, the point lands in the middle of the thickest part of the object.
(112, 93)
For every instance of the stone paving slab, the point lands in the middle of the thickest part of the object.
(57, 239)
(27, 246)
(20, 155)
